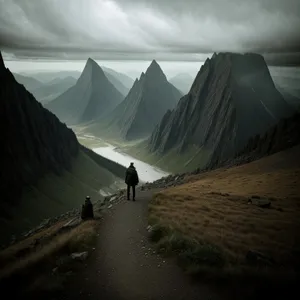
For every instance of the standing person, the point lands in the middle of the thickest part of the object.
(87, 211)
(131, 179)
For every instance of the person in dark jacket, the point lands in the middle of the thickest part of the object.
(131, 179)
(87, 211)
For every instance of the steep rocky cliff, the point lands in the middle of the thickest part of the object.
(91, 97)
(34, 141)
(232, 99)
(44, 170)
(147, 101)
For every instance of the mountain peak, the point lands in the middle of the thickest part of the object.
(155, 71)
(154, 63)
(91, 62)
(243, 93)
(93, 68)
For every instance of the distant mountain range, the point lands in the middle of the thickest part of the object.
(48, 76)
(93, 96)
(122, 82)
(147, 101)
(45, 92)
(123, 78)
(29, 83)
(44, 170)
(232, 99)
(182, 82)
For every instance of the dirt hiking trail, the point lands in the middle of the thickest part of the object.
(125, 265)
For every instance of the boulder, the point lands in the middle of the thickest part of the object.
(260, 202)
(80, 255)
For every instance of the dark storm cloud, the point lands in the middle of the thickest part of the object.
(161, 29)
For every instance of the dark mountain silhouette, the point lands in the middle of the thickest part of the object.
(149, 98)
(44, 170)
(91, 97)
(232, 99)
(34, 140)
(182, 82)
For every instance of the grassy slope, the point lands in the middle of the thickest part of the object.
(40, 269)
(55, 195)
(212, 210)
(171, 162)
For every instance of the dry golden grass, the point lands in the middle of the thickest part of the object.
(78, 239)
(12, 253)
(213, 208)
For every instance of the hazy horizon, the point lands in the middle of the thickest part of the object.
(130, 68)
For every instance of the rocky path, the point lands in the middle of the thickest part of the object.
(125, 265)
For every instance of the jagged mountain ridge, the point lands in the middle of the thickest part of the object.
(45, 92)
(147, 101)
(92, 96)
(232, 99)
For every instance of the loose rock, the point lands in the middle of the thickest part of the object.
(80, 256)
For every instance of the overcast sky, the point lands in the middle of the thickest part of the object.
(167, 30)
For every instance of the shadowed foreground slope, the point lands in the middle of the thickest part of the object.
(44, 171)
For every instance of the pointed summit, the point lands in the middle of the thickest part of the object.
(148, 100)
(154, 63)
(232, 99)
(90, 98)
(91, 66)
(93, 63)
(155, 72)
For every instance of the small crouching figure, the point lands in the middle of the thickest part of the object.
(87, 211)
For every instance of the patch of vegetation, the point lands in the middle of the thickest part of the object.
(173, 161)
(209, 225)
(192, 255)
(46, 266)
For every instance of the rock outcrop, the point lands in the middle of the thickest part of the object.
(92, 97)
(148, 100)
(232, 99)
(34, 141)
